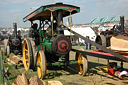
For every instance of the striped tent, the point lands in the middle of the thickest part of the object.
(105, 19)
(94, 21)
(114, 19)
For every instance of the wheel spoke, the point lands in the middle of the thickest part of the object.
(80, 61)
(26, 50)
(81, 69)
(27, 59)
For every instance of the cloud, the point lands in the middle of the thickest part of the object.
(7, 2)
(12, 12)
(88, 9)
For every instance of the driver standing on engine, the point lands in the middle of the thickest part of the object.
(34, 33)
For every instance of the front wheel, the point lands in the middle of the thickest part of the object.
(82, 66)
(41, 64)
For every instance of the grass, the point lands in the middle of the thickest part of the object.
(1, 66)
(55, 74)
(68, 76)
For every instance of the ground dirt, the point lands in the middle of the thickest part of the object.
(70, 76)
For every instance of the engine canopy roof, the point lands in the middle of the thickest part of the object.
(44, 12)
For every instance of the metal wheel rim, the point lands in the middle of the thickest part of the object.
(25, 55)
(41, 64)
(80, 65)
(40, 67)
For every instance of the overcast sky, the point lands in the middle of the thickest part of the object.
(89, 9)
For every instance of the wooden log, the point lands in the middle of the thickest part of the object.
(9, 60)
(119, 43)
(21, 80)
(24, 79)
(14, 59)
(12, 84)
(36, 81)
(54, 83)
(33, 80)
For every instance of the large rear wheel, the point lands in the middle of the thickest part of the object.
(101, 39)
(41, 65)
(33, 52)
(27, 54)
(82, 66)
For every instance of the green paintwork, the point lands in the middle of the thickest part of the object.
(42, 34)
(45, 42)
(44, 13)
(52, 8)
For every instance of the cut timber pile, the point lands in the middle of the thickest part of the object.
(22, 80)
(13, 59)
(119, 43)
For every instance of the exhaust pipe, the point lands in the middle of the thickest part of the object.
(122, 23)
(15, 29)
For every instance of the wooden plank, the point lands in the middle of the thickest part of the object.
(14, 59)
(9, 60)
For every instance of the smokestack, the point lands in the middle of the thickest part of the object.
(122, 23)
(15, 29)
(59, 21)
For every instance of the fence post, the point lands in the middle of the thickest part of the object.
(1, 68)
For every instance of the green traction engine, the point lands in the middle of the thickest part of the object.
(47, 45)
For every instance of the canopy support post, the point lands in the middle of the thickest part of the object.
(70, 28)
(52, 23)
